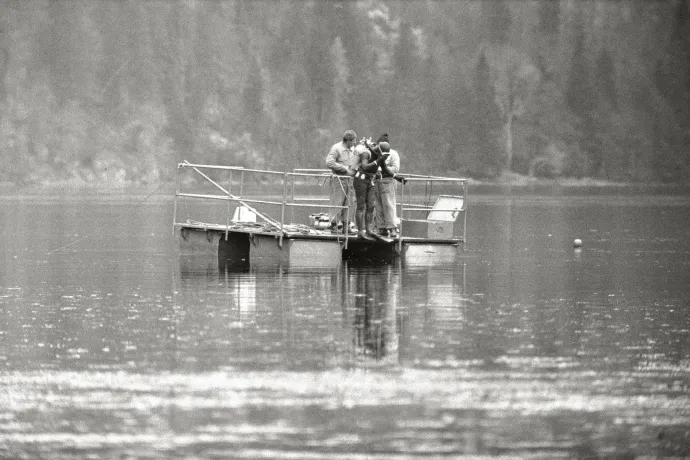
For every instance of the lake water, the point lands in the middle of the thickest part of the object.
(522, 348)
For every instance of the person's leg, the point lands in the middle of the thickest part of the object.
(338, 195)
(351, 203)
(370, 208)
(361, 192)
(387, 187)
(378, 206)
(393, 208)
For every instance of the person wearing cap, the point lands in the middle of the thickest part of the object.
(386, 219)
(370, 159)
(341, 160)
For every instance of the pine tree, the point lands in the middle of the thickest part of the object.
(549, 16)
(497, 20)
(487, 119)
(578, 92)
(580, 97)
(4, 62)
(319, 71)
(405, 104)
(252, 102)
(341, 87)
(351, 25)
(605, 77)
(435, 130)
(673, 69)
(69, 48)
(200, 80)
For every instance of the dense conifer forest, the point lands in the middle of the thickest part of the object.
(108, 92)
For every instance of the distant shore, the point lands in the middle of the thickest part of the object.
(506, 180)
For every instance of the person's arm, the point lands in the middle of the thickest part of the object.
(393, 163)
(368, 166)
(333, 164)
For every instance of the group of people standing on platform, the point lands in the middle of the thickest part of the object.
(374, 168)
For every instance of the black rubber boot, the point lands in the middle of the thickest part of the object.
(369, 221)
(362, 226)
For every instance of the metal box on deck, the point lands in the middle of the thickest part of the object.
(440, 221)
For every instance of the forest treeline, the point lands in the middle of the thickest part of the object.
(117, 92)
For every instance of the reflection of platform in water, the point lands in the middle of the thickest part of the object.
(279, 237)
(354, 315)
(429, 254)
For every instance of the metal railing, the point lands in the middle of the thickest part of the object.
(412, 188)
(286, 202)
(416, 195)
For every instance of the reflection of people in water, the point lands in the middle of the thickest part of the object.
(375, 333)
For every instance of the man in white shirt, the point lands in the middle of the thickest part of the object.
(342, 160)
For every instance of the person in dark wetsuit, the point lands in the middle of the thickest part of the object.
(369, 160)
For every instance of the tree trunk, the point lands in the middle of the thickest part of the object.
(4, 65)
(508, 135)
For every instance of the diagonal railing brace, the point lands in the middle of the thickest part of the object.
(268, 219)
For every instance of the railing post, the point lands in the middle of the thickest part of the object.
(346, 225)
(241, 184)
(177, 191)
(292, 199)
(464, 212)
(227, 221)
(282, 208)
(401, 206)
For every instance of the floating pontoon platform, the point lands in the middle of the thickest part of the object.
(269, 218)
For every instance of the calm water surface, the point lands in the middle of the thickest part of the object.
(112, 347)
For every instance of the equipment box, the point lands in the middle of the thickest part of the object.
(434, 229)
(440, 222)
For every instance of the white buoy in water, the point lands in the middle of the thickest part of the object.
(577, 243)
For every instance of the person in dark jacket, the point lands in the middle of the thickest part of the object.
(368, 166)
